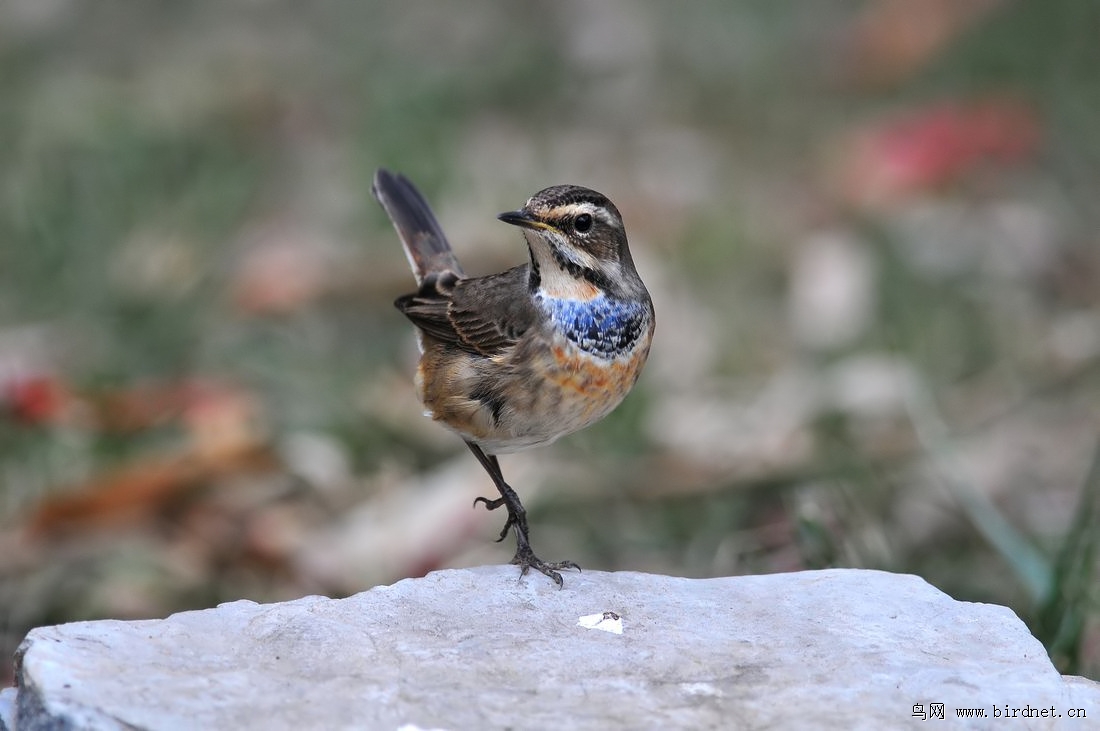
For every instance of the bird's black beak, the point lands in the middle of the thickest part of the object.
(522, 219)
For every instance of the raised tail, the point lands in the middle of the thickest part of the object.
(420, 234)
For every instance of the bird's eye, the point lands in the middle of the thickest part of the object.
(582, 224)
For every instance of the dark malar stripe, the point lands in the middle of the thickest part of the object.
(576, 270)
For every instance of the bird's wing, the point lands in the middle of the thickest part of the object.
(483, 315)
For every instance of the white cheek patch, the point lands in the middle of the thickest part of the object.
(563, 285)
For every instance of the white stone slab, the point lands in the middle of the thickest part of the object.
(482, 649)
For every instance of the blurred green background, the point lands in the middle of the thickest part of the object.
(869, 228)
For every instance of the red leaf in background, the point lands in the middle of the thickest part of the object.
(930, 148)
(224, 428)
(37, 399)
(41, 399)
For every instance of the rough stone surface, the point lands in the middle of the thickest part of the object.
(482, 648)
(7, 709)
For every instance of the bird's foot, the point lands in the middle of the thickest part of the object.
(526, 559)
(489, 504)
(493, 505)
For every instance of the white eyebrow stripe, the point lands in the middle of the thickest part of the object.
(571, 210)
(575, 209)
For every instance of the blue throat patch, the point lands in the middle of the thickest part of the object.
(602, 326)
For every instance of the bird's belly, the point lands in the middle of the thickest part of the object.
(588, 388)
(535, 398)
(562, 392)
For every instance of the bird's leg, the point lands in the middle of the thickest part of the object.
(525, 558)
(492, 466)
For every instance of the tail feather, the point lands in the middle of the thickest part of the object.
(425, 245)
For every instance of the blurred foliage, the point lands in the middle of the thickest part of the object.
(869, 229)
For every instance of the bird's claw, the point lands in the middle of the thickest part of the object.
(493, 505)
(526, 559)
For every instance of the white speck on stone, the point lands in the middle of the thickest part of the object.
(701, 689)
(606, 621)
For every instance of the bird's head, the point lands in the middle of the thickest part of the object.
(577, 243)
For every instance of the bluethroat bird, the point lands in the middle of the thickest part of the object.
(518, 359)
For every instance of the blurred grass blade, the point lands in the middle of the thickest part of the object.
(1030, 566)
(1062, 614)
